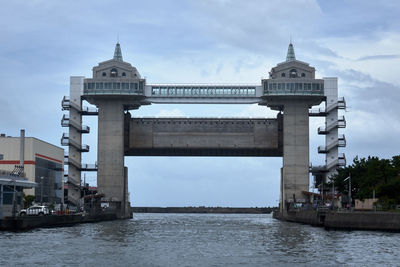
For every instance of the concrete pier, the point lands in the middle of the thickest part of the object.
(110, 154)
(295, 151)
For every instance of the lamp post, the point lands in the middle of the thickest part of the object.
(41, 191)
(349, 178)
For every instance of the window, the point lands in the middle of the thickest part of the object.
(116, 86)
(114, 72)
(283, 74)
(107, 85)
(293, 73)
(134, 86)
(123, 74)
(303, 75)
(99, 85)
(104, 74)
(52, 182)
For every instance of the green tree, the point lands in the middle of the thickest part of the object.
(28, 200)
(369, 175)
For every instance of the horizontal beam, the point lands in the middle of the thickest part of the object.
(203, 137)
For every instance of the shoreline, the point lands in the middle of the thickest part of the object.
(205, 210)
(354, 220)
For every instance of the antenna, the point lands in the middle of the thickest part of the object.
(117, 37)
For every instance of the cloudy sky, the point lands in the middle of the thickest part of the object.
(43, 43)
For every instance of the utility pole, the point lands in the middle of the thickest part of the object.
(333, 194)
(351, 202)
(14, 210)
(41, 191)
(349, 178)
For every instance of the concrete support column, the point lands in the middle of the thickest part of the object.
(295, 152)
(111, 175)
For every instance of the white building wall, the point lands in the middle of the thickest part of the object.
(9, 147)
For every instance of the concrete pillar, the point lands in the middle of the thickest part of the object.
(295, 152)
(110, 154)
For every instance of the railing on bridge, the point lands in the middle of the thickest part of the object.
(294, 88)
(202, 90)
(113, 88)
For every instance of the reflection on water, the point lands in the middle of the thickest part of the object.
(198, 240)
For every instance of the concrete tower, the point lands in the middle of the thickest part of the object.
(293, 89)
(116, 86)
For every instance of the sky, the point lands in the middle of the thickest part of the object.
(43, 43)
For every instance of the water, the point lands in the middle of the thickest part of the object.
(198, 240)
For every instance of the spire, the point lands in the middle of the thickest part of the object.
(290, 53)
(118, 53)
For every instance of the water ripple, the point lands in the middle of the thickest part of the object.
(198, 240)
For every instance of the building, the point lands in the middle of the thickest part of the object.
(117, 89)
(42, 164)
(12, 184)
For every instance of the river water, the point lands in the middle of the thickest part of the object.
(198, 240)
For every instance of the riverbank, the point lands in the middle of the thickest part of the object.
(221, 210)
(345, 220)
(31, 222)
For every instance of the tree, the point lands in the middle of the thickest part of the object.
(28, 200)
(369, 175)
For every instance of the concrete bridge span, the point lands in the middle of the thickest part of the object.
(203, 137)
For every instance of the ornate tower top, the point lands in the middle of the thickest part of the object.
(290, 53)
(118, 53)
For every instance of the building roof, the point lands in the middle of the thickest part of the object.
(19, 181)
(290, 53)
(118, 53)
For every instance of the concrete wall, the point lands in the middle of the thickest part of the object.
(388, 221)
(366, 204)
(204, 136)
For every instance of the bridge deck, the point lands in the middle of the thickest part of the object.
(203, 137)
(203, 93)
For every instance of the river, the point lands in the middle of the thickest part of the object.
(198, 240)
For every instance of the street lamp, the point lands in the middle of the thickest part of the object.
(41, 191)
(349, 178)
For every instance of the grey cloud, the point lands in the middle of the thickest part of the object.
(374, 57)
(358, 18)
(254, 25)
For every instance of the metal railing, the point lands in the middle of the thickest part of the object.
(203, 90)
(323, 111)
(113, 91)
(340, 123)
(341, 142)
(89, 167)
(66, 141)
